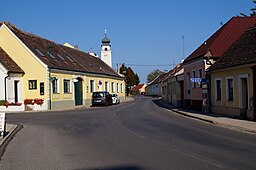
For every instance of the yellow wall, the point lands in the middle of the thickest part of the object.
(61, 95)
(86, 86)
(235, 72)
(32, 68)
(120, 93)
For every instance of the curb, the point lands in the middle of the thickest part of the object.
(5, 141)
(195, 117)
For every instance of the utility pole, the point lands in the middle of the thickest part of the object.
(183, 42)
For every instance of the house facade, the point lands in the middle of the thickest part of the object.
(139, 89)
(154, 88)
(196, 64)
(233, 79)
(59, 75)
(173, 85)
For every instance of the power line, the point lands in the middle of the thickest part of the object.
(148, 65)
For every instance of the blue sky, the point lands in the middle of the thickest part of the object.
(142, 32)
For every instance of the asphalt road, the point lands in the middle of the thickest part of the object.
(135, 135)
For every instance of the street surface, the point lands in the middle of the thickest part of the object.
(134, 135)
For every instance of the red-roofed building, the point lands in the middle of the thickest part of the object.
(233, 79)
(139, 89)
(173, 86)
(205, 55)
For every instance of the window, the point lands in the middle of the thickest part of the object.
(67, 86)
(106, 49)
(48, 52)
(91, 86)
(194, 76)
(218, 89)
(188, 83)
(32, 84)
(39, 52)
(41, 88)
(106, 86)
(200, 75)
(112, 87)
(60, 57)
(121, 87)
(55, 86)
(70, 59)
(117, 90)
(230, 89)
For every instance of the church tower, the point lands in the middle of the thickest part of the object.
(106, 51)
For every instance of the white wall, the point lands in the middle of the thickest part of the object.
(2, 76)
(10, 88)
(106, 56)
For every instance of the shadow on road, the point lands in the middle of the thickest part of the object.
(114, 168)
(161, 103)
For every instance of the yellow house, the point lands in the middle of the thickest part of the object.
(62, 76)
(233, 79)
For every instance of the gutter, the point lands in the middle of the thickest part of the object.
(5, 86)
(85, 72)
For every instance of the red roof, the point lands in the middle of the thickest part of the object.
(222, 39)
(242, 52)
(8, 63)
(172, 71)
(138, 87)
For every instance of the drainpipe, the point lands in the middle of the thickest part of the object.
(5, 86)
(208, 82)
(50, 98)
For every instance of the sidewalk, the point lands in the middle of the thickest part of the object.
(220, 120)
(9, 131)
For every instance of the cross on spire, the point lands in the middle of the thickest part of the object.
(105, 32)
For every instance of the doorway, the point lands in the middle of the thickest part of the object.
(16, 92)
(243, 97)
(78, 91)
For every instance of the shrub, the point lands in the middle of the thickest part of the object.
(28, 101)
(4, 103)
(39, 101)
(34, 101)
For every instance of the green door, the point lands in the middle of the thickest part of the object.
(78, 92)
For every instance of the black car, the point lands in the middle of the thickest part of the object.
(101, 98)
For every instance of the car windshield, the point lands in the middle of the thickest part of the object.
(98, 95)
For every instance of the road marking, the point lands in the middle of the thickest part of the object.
(198, 158)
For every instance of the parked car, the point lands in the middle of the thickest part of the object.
(115, 99)
(101, 98)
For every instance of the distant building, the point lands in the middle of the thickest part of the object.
(154, 88)
(139, 89)
(173, 86)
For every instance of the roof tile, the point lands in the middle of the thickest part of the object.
(243, 51)
(223, 38)
(74, 59)
(8, 63)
